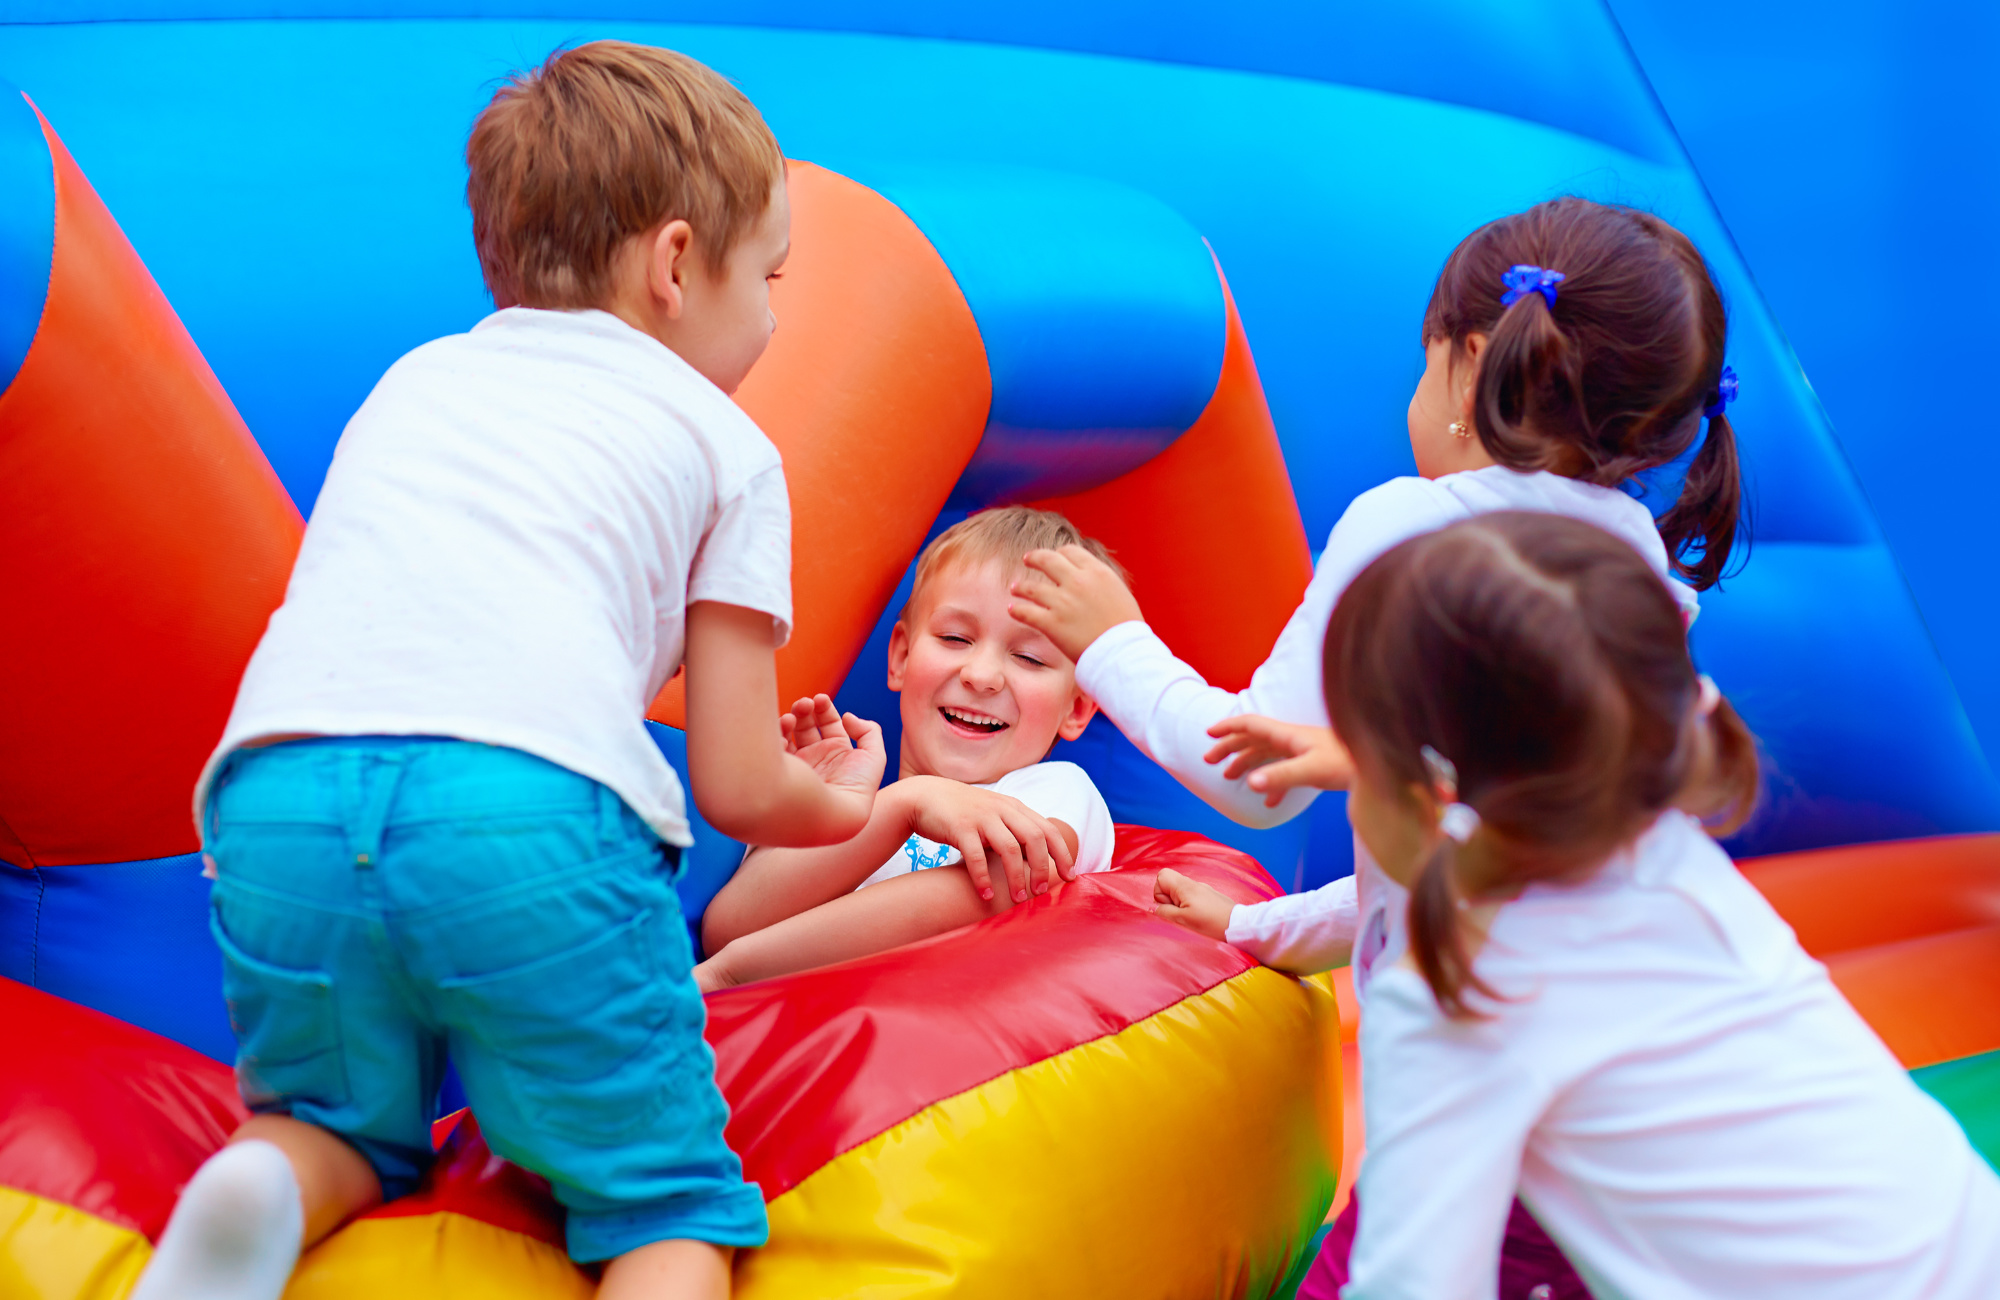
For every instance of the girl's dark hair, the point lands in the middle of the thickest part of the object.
(1613, 378)
(1545, 660)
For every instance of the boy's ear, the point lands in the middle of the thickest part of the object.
(666, 265)
(1081, 710)
(899, 654)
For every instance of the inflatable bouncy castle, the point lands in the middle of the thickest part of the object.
(1159, 273)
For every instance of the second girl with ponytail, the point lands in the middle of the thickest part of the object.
(1583, 1000)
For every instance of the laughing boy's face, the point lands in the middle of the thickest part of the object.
(983, 695)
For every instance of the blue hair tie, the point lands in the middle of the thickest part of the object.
(1523, 280)
(1725, 393)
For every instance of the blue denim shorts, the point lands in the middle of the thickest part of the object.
(385, 902)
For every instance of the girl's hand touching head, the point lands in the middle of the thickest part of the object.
(1072, 598)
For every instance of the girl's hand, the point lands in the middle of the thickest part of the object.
(843, 750)
(1072, 598)
(1033, 853)
(1280, 756)
(1201, 908)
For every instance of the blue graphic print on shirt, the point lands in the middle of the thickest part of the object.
(939, 855)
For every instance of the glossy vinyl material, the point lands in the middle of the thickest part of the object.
(147, 542)
(1910, 932)
(1970, 1089)
(1472, 54)
(27, 228)
(101, 1116)
(1329, 203)
(1100, 310)
(1250, 1065)
(128, 938)
(52, 1251)
(1219, 604)
(882, 1060)
(817, 1063)
(875, 389)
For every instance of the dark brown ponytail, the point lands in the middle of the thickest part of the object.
(1547, 663)
(1613, 377)
(1438, 941)
(1710, 504)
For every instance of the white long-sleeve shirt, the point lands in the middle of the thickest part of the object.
(1682, 1098)
(1165, 708)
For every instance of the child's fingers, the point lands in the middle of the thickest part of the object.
(1169, 886)
(865, 734)
(1233, 743)
(1234, 724)
(1275, 780)
(804, 727)
(826, 717)
(1056, 566)
(1000, 842)
(1039, 617)
(974, 852)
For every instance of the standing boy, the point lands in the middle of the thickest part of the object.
(438, 825)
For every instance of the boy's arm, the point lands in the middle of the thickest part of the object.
(884, 916)
(775, 883)
(742, 780)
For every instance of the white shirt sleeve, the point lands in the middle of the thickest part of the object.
(1444, 1101)
(1165, 707)
(746, 559)
(1064, 792)
(1301, 933)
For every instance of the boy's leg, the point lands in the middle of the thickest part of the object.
(278, 1187)
(335, 1181)
(575, 1026)
(330, 1057)
(897, 911)
(685, 1270)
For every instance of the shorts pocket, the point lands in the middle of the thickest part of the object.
(579, 1036)
(287, 1024)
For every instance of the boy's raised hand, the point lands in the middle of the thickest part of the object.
(1033, 852)
(1186, 902)
(1280, 756)
(842, 749)
(1071, 597)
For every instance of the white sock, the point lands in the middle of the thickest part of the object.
(235, 1233)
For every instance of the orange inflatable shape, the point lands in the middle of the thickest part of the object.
(147, 543)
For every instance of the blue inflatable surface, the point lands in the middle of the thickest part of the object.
(293, 180)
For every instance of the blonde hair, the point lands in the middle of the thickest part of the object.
(1005, 534)
(601, 143)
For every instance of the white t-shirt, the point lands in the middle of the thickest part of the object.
(1057, 790)
(512, 529)
(1166, 709)
(1682, 1098)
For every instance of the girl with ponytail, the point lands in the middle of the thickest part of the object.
(1569, 350)
(1579, 995)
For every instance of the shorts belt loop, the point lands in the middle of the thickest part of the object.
(369, 782)
(610, 816)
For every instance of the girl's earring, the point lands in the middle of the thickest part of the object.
(1460, 429)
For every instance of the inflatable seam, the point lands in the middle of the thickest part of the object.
(1029, 1064)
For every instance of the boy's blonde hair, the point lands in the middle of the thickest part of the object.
(1006, 534)
(601, 143)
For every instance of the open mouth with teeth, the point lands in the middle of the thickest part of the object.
(966, 722)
